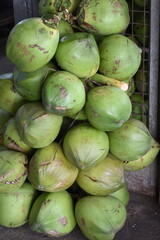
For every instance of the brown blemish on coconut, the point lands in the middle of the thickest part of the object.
(117, 62)
(94, 18)
(45, 52)
(46, 202)
(38, 47)
(63, 221)
(14, 145)
(70, 62)
(22, 48)
(63, 92)
(117, 4)
(51, 32)
(83, 222)
(114, 69)
(94, 112)
(44, 164)
(3, 176)
(31, 58)
(41, 30)
(93, 179)
(17, 179)
(88, 26)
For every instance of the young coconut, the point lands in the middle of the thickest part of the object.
(15, 206)
(36, 46)
(13, 170)
(85, 146)
(103, 17)
(107, 107)
(52, 214)
(78, 53)
(131, 141)
(120, 57)
(36, 127)
(59, 94)
(102, 179)
(144, 161)
(100, 217)
(50, 171)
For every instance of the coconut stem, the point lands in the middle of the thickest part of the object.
(98, 78)
(51, 20)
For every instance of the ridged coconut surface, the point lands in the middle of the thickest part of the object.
(103, 17)
(100, 217)
(120, 57)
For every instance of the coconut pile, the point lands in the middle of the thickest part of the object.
(68, 131)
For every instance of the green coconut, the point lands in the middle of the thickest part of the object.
(13, 170)
(104, 178)
(78, 53)
(50, 171)
(59, 94)
(103, 17)
(36, 127)
(120, 57)
(107, 107)
(15, 206)
(29, 85)
(64, 28)
(131, 141)
(100, 217)
(143, 161)
(122, 194)
(4, 117)
(85, 146)
(12, 139)
(52, 214)
(36, 46)
(10, 99)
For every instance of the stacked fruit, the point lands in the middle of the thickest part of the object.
(66, 130)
